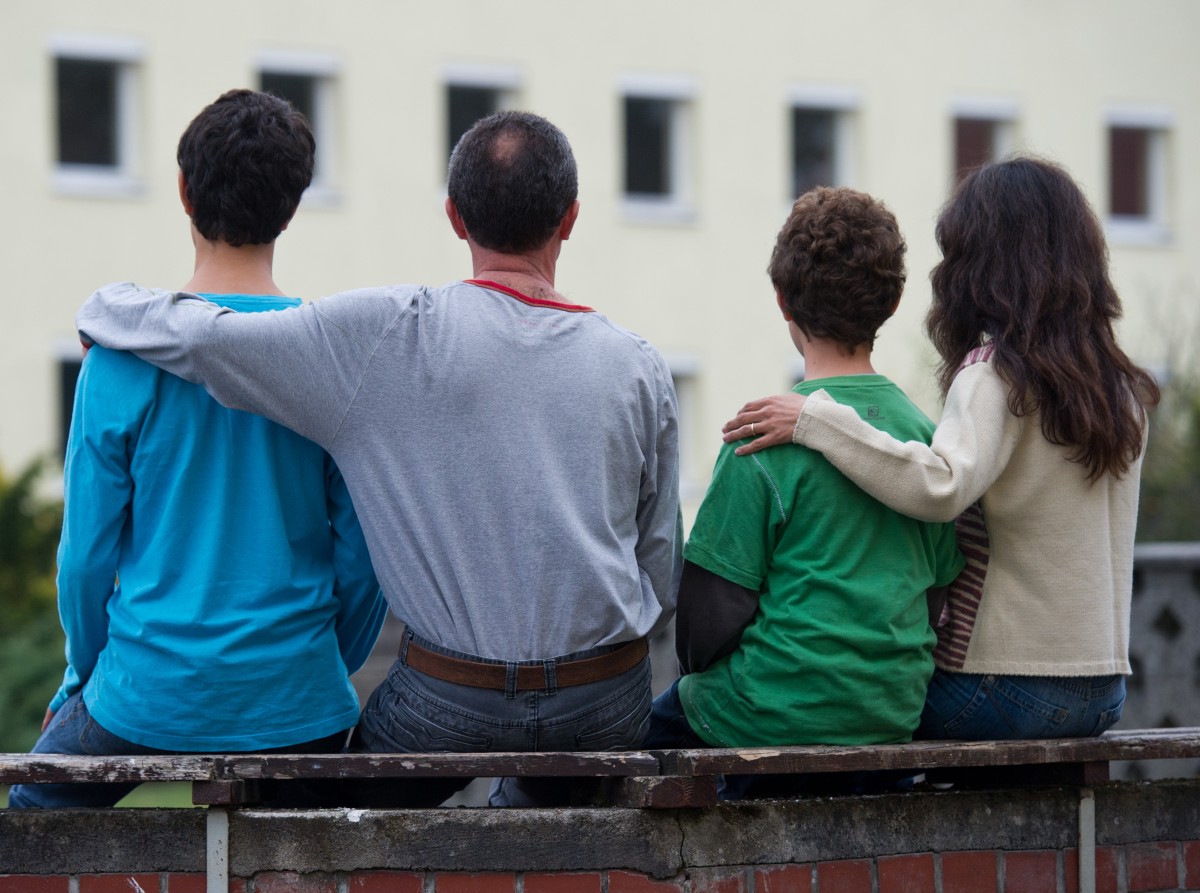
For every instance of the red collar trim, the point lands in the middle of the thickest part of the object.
(526, 299)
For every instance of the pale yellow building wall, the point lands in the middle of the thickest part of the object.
(696, 289)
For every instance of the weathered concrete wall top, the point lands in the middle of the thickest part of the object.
(659, 844)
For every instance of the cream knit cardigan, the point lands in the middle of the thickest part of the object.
(1056, 597)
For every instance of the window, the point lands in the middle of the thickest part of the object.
(685, 373)
(87, 112)
(983, 133)
(474, 92)
(95, 97)
(821, 133)
(656, 123)
(974, 144)
(308, 82)
(70, 361)
(814, 149)
(1137, 175)
(464, 106)
(648, 146)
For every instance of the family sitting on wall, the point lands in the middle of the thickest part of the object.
(503, 464)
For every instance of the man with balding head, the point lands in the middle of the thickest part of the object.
(512, 456)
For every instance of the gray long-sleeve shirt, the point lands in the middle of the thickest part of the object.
(514, 463)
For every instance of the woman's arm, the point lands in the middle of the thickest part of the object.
(936, 482)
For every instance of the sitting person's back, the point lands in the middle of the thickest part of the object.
(214, 583)
(244, 586)
(802, 615)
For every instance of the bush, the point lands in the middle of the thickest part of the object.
(31, 644)
(31, 668)
(1169, 510)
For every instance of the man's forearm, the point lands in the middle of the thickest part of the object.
(257, 362)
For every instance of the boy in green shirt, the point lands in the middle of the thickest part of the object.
(802, 613)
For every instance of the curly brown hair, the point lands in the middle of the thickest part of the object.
(1024, 263)
(839, 265)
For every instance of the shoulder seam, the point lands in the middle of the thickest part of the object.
(771, 482)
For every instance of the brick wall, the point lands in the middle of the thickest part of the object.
(1146, 838)
(1137, 868)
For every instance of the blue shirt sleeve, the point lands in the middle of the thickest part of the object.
(361, 606)
(98, 488)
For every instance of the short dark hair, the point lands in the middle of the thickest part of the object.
(839, 264)
(246, 160)
(513, 179)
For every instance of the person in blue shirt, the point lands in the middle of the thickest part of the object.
(214, 583)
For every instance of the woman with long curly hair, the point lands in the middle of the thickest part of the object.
(1044, 428)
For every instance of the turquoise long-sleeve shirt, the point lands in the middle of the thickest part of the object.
(213, 580)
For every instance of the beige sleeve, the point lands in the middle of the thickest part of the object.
(971, 447)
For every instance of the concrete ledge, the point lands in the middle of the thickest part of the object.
(455, 839)
(821, 830)
(81, 841)
(1150, 810)
(658, 843)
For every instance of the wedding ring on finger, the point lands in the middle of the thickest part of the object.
(753, 433)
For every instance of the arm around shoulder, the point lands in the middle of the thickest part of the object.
(299, 367)
(971, 447)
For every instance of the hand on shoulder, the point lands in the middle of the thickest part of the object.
(770, 421)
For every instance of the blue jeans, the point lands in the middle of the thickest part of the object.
(669, 726)
(411, 712)
(74, 731)
(983, 707)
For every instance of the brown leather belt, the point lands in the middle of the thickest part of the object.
(530, 676)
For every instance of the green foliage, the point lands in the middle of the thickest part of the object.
(31, 669)
(1170, 499)
(29, 531)
(31, 640)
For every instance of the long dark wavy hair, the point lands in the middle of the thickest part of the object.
(1024, 262)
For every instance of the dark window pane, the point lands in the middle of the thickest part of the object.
(87, 112)
(1129, 149)
(813, 148)
(68, 375)
(298, 89)
(465, 106)
(647, 146)
(974, 144)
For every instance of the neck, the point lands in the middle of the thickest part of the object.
(222, 269)
(825, 359)
(531, 273)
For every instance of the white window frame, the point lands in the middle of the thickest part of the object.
(677, 206)
(324, 69)
(844, 103)
(97, 180)
(1153, 229)
(504, 79)
(685, 376)
(1002, 112)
